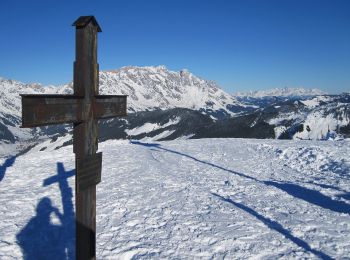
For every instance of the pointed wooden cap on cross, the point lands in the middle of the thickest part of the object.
(82, 21)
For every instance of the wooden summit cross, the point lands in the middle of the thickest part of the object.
(84, 108)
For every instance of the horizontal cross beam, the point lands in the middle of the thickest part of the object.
(40, 110)
(107, 106)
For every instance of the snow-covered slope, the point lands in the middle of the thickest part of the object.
(281, 92)
(193, 199)
(320, 117)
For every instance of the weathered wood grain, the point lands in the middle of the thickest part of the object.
(84, 108)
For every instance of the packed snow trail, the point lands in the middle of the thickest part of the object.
(207, 198)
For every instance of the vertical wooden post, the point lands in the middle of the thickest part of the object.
(84, 108)
(85, 136)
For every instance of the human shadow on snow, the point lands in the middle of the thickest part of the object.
(42, 239)
(274, 225)
(8, 163)
(308, 195)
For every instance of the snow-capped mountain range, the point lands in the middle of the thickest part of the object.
(151, 88)
(281, 92)
(148, 88)
(164, 104)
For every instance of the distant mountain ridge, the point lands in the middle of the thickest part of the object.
(281, 92)
(151, 88)
(165, 105)
(148, 89)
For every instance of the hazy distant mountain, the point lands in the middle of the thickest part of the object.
(281, 92)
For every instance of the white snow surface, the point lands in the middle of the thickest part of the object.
(185, 199)
(323, 124)
(149, 127)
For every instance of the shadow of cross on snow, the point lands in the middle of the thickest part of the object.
(42, 239)
(68, 220)
(66, 191)
(68, 217)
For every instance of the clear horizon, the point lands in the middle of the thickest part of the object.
(241, 45)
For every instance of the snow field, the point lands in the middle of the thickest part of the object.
(207, 198)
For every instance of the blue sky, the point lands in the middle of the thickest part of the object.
(242, 45)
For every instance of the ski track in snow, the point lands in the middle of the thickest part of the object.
(207, 198)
